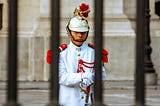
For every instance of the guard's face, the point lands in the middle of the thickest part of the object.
(78, 37)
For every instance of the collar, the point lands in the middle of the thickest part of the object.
(76, 48)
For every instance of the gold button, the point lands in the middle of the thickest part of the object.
(82, 97)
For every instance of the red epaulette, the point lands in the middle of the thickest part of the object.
(104, 53)
(62, 47)
(49, 53)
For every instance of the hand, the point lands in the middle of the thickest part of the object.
(86, 82)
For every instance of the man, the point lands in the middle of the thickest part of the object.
(76, 64)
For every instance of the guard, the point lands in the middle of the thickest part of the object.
(76, 64)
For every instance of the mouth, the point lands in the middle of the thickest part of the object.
(79, 40)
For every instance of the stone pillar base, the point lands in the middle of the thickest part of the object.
(151, 78)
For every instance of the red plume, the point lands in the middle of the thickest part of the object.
(84, 7)
(84, 10)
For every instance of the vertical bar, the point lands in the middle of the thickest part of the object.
(12, 55)
(54, 79)
(157, 7)
(1, 15)
(140, 36)
(98, 16)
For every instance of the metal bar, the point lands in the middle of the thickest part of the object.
(54, 79)
(157, 7)
(98, 20)
(140, 36)
(1, 16)
(12, 55)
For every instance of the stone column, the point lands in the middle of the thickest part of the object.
(3, 41)
(116, 22)
(43, 32)
(31, 46)
(119, 38)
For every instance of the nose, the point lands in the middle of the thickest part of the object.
(80, 34)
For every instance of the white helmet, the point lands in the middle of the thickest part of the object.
(78, 24)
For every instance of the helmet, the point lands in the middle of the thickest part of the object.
(78, 24)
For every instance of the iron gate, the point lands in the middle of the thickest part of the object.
(98, 16)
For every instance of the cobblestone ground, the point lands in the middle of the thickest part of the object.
(127, 97)
(114, 97)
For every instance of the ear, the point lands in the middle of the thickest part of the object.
(69, 35)
(68, 31)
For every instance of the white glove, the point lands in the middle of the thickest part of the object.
(88, 75)
(86, 82)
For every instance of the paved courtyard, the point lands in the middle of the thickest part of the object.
(115, 94)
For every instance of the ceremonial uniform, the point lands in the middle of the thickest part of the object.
(69, 79)
(76, 62)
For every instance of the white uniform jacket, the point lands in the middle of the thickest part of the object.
(69, 79)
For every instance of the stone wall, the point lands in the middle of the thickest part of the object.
(34, 37)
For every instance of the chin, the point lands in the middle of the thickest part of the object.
(78, 44)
